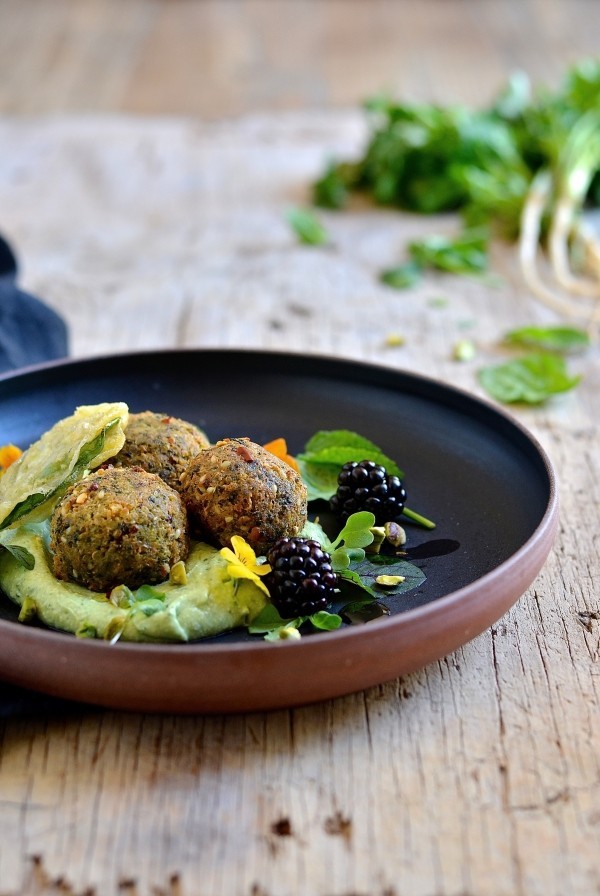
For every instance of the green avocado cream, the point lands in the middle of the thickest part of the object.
(210, 602)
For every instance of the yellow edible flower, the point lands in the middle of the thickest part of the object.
(241, 562)
(8, 455)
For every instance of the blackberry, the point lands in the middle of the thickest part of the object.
(301, 581)
(366, 485)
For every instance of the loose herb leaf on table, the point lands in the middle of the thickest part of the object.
(531, 379)
(564, 340)
(307, 227)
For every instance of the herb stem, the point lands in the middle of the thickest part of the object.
(417, 518)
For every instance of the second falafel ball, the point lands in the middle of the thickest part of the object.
(160, 444)
(118, 526)
(238, 488)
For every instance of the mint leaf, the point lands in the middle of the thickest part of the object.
(307, 227)
(338, 446)
(556, 339)
(320, 480)
(531, 379)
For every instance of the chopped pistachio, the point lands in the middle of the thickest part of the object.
(178, 574)
(378, 533)
(395, 534)
(288, 633)
(28, 611)
(389, 581)
(464, 350)
(394, 340)
(121, 597)
(114, 629)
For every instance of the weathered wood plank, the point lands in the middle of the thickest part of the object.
(477, 775)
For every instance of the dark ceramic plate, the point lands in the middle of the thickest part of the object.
(480, 475)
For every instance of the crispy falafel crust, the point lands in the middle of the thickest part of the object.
(160, 444)
(238, 488)
(118, 526)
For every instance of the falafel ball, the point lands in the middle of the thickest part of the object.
(238, 488)
(118, 526)
(160, 444)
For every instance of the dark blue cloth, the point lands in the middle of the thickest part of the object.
(30, 331)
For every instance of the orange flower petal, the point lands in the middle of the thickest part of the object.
(8, 455)
(278, 447)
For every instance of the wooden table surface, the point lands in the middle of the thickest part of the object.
(149, 153)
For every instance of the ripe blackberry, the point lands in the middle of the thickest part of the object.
(301, 580)
(366, 485)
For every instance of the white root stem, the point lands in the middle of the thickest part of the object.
(562, 221)
(531, 222)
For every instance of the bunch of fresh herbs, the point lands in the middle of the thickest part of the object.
(523, 167)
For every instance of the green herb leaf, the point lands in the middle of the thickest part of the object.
(381, 565)
(307, 227)
(356, 532)
(313, 529)
(531, 379)
(267, 620)
(331, 190)
(403, 276)
(557, 339)
(325, 621)
(354, 578)
(466, 254)
(338, 446)
(23, 557)
(320, 479)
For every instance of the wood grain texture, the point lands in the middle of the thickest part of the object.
(219, 58)
(478, 775)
